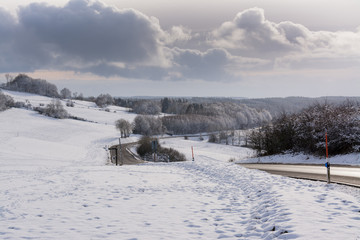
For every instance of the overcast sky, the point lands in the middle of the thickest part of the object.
(231, 48)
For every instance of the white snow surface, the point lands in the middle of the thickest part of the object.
(55, 183)
(83, 109)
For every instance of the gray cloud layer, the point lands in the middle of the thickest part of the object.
(86, 36)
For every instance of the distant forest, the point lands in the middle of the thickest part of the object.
(181, 115)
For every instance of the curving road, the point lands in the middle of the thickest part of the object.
(348, 175)
(126, 157)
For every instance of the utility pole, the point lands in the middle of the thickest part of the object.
(327, 164)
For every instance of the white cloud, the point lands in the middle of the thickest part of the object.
(177, 34)
(288, 44)
(251, 34)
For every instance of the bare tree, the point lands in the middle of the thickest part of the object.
(65, 93)
(124, 127)
(9, 78)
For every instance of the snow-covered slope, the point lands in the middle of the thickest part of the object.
(30, 139)
(55, 184)
(81, 109)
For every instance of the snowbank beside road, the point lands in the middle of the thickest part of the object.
(347, 159)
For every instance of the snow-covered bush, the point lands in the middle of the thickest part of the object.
(145, 148)
(70, 103)
(54, 109)
(5, 101)
(213, 138)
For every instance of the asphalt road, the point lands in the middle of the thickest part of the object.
(126, 157)
(338, 174)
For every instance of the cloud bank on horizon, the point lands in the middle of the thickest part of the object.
(90, 37)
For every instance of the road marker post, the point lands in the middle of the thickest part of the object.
(154, 146)
(327, 164)
(192, 150)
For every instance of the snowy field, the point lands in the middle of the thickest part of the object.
(81, 109)
(55, 183)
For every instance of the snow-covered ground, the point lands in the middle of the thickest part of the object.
(82, 109)
(55, 184)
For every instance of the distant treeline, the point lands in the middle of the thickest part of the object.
(182, 115)
(24, 83)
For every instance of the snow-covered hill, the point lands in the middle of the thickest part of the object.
(55, 184)
(81, 109)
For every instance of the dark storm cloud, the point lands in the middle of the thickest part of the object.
(20, 49)
(208, 65)
(93, 31)
(78, 35)
(86, 36)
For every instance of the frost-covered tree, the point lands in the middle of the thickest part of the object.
(165, 103)
(148, 125)
(65, 93)
(104, 100)
(24, 83)
(124, 127)
(147, 107)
